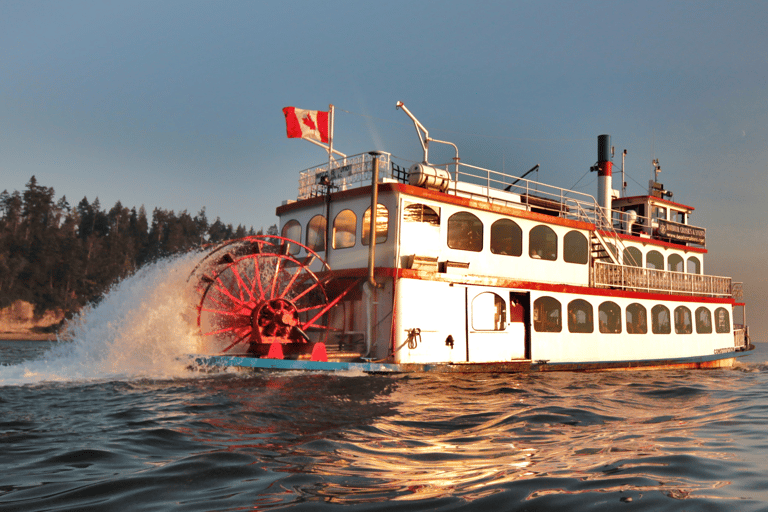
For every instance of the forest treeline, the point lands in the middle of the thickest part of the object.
(57, 256)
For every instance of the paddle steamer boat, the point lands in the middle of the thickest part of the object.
(386, 266)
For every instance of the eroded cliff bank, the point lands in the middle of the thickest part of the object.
(19, 322)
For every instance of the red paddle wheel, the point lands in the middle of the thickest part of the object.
(259, 298)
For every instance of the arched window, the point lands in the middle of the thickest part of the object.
(465, 232)
(654, 259)
(292, 230)
(637, 319)
(542, 243)
(489, 312)
(703, 320)
(506, 238)
(675, 263)
(633, 257)
(418, 212)
(609, 317)
(575, 248)
(683, 321)
(546, 315)
(344, 228)
(694, 265)
(722, 321)
(316, 233)
(660, 323)
(580, 316)
(382, 225)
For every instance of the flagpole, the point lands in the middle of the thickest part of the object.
(330, 136)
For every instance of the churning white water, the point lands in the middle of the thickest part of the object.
(142, 328)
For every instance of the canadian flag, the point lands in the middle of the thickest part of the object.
(306, 124)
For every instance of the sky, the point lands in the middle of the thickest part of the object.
(178, 104)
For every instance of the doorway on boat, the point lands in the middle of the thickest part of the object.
(496, 325)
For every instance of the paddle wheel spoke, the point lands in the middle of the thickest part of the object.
(241, 284)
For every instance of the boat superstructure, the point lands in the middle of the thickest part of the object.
(387, 265)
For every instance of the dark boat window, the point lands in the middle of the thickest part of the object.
(675, 263)
(506, 238)
(660, 321)
(637, 319)
(609, 317)
(575, 248)
(633, 257)
(421, 213)
(654, 259)
(316, 233)
(465, 232)
(382, 224)
(703, 320)
(580, 316)
(683, 321)
(546, 315)
(344, 229)
(292, 230)
(542, 243)
(722, 321)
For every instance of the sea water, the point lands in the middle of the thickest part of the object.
(115, 420)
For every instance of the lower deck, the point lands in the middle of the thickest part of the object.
(418, 319)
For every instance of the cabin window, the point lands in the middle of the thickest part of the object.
(316, 233)
(722, 321)
(575, 248)
(546, 315)
(542, 243)
(678, 216)
(683, 322)
(292, 230)
(609, 317)
(637, 319)
(675, 263)
(580, 316)
(703, 321)
(633, 257)
(660, 323)
(654, 259)
(382, 225)
(489, 312)
(659, 213)
(344, 227)
(465, 232)
(418, 212)
(694, 265)
(506, 238)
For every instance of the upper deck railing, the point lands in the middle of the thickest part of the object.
(631, 278)
(347, 173)
(466, 181)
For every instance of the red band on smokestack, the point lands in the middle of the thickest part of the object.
(604, 168)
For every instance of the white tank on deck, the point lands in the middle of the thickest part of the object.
(423, 175)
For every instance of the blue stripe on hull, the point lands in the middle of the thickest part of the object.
(217, 362)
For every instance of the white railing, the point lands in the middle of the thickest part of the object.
(625, 277)
(343, 174)
(494, 186)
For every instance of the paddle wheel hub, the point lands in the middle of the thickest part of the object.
(275, 320)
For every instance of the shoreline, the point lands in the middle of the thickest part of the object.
(27, 336)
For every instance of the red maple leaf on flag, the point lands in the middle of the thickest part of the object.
(308, 122)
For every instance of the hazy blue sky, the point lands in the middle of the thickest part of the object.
(178, 104)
